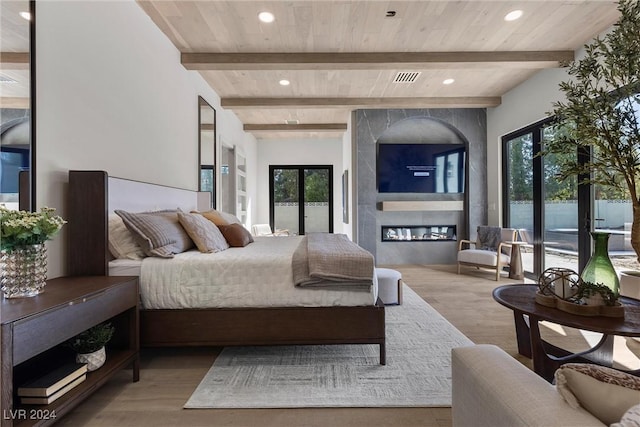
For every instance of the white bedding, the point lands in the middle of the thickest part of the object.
(258, 275)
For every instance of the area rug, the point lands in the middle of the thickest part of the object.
(417, 373)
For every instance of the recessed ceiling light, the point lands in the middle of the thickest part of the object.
(513, 15)
(266, 17)
(284, 82)
(25, 15)
(448, 81)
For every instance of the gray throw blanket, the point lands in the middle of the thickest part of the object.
(489, 237)
(332, 261)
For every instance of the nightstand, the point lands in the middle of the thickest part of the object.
(32, 329)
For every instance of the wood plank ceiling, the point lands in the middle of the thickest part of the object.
(342, 55)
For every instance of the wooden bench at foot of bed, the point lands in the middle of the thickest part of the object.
(90, 202)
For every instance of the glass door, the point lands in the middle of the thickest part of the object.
(560, 211)
(301, 198)
(519, 158)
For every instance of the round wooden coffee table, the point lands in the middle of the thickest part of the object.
(547, 357)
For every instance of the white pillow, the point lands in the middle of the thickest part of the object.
(121, 241)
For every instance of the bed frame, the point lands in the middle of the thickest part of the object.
(93, 195)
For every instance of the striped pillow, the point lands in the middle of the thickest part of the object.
(158, 233)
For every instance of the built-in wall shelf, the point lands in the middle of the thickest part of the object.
(425, 205)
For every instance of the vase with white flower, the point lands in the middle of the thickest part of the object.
(23, 254)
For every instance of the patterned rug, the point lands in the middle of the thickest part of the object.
(417, 374)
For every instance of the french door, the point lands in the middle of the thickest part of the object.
(301, 198)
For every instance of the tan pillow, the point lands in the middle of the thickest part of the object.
(121, 241)
(203, 232)
(215, 217)
(236, 235)
(605, 392)
(158, 233)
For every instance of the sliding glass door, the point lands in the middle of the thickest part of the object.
(546, 211)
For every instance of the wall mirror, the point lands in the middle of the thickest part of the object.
(207, 149)
(17, 137)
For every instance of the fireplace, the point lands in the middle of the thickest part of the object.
(418, 233)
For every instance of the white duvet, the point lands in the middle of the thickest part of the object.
(258, 275)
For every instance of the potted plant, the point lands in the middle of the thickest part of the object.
(89, 345)
(601, 112)
(589, 293)
(23, 255)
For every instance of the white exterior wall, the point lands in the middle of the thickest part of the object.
(112, 95)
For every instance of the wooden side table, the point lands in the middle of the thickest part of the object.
(33, 328)
(515, 266)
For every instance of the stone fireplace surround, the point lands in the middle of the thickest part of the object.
(417, 126)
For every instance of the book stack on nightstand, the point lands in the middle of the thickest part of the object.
(53, 385)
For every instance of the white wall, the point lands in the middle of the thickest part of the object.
(521, 106)
(298, 152)
(112, 95)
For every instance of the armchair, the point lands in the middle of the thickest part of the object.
(490, 249)
(265, 230)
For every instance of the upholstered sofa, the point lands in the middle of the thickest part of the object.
(491, 388)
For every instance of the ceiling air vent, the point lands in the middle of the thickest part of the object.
(406, 76)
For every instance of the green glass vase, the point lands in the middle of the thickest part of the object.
(599, 269)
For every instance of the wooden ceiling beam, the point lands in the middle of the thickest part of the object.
(374, 60)
(424, 102)
(14, 60)
(317, 127)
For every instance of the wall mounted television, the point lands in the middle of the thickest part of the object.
(421, 168)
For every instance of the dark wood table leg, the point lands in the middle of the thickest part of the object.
(523, 334)
(542, 364)
(603, 352)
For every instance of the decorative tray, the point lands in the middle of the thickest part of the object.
(581, 310)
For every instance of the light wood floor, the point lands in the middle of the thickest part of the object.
(169, 376)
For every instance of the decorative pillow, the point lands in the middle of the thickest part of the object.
(203, 232)
(214, 216)
(631, 418)
(219, 218)
(236, 235)
(121, 241)
(158, 233)
(605, 392)
(230, 218)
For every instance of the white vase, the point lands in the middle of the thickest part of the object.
(630, 284)
(93, 360)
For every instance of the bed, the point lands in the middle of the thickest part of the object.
(93, 195)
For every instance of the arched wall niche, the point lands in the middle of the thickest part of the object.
(428, 126)
(422, 130)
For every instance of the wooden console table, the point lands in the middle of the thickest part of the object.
(547, 357)
(32, 329)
